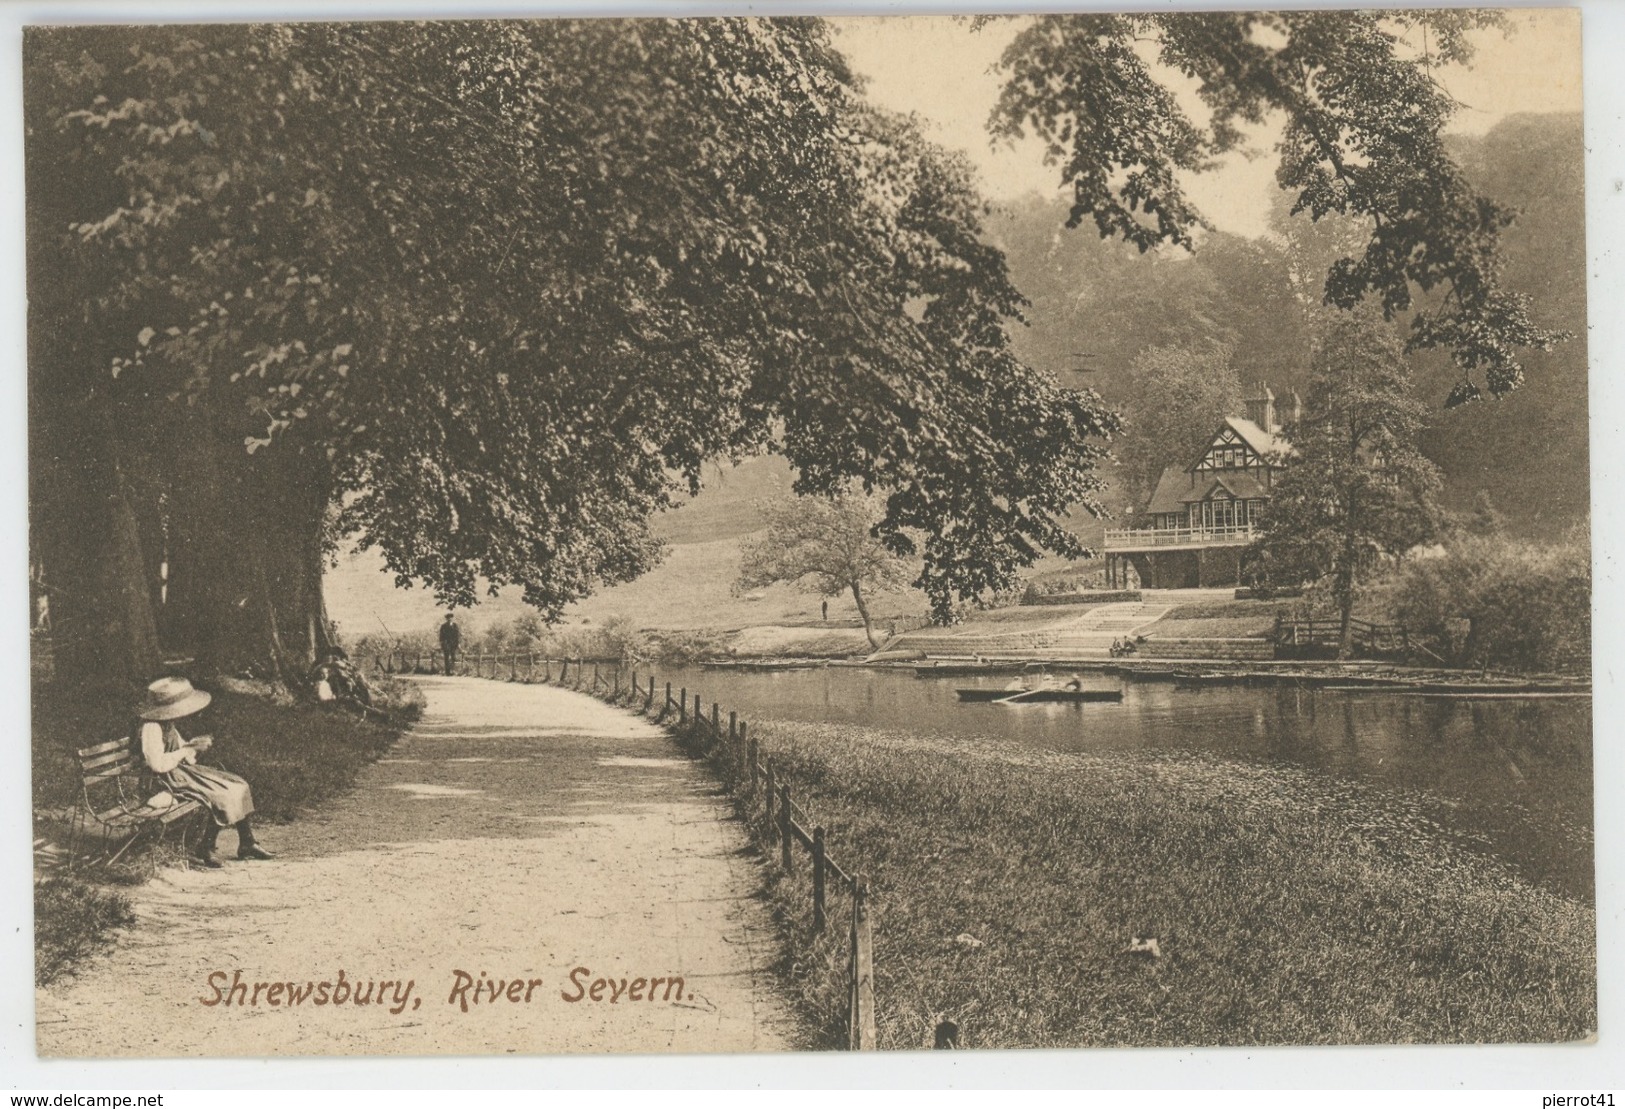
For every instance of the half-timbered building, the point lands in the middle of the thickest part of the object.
(1202, 514)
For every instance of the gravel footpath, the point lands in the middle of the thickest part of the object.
(533, 846)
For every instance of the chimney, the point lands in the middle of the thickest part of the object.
(1261, 408)
(1294, 410)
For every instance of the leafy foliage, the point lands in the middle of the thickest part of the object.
(499, 290)
(1179, 396)
(830, 544)
(1487, 600)
(1357, 490)
(1363, 121)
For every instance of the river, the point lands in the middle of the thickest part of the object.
(1514, 776)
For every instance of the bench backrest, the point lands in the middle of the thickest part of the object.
(108, 761)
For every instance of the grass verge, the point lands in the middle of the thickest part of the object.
(295, 755)
(1289, 909)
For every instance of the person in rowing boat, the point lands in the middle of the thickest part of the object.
(1074, 682)
(1018, 684)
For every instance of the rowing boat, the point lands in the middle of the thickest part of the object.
(1040, 696)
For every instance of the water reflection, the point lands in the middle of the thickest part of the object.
(1516, 774)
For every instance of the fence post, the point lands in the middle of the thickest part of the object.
(786, 837)
(755, 767)
(635, 688)
(861, 1022)
(716, 723)
(650, 703)
(682, 708)
(768, 798)
(818, 879)
(699, 713)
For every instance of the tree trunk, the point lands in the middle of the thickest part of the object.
(246, 573)
(86, 530)
(863, 611)
(1344, 591)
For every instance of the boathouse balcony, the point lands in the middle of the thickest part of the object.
(1161, 539)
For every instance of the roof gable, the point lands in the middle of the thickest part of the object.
(1171, 487)
(1264, 443)
(1235, 431)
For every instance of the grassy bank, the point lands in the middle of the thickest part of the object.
(1288, 908)
(295, 755)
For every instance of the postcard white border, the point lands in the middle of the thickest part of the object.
(1565, 1067)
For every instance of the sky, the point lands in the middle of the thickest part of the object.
(940, 69)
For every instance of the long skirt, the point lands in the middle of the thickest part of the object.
(226, 795)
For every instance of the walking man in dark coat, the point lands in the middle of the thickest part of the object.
(451, 636)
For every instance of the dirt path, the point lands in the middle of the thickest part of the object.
(517, 833)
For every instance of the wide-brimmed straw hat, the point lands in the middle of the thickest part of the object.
(171, 699)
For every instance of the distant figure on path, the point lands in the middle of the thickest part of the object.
(826, 612)
(174, 760)
(451, 636)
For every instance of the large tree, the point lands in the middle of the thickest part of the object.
(1357, 490)
(487, 296)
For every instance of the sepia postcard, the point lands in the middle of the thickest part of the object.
(714, 535)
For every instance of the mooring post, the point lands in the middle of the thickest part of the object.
(786, 836)
(818, 879)
(769, 797)
(861, 1022)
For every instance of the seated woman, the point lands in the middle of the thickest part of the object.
(174, 760)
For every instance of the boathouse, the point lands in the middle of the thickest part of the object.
(1202, 515)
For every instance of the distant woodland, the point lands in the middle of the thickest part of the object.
(1098, 306)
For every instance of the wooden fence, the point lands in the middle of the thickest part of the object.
(1307, 635)
(760, 785)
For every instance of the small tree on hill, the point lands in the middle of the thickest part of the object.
(828, 543)
(1358, 489)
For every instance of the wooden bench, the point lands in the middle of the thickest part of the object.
(114, 798)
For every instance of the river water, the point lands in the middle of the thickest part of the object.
(1511, 775)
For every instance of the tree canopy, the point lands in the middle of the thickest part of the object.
(1363, 119)
(486, 295)
(1358, 489)
(493, 293)
(1179, 396)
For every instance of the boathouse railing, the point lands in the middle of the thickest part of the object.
(760, 785)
